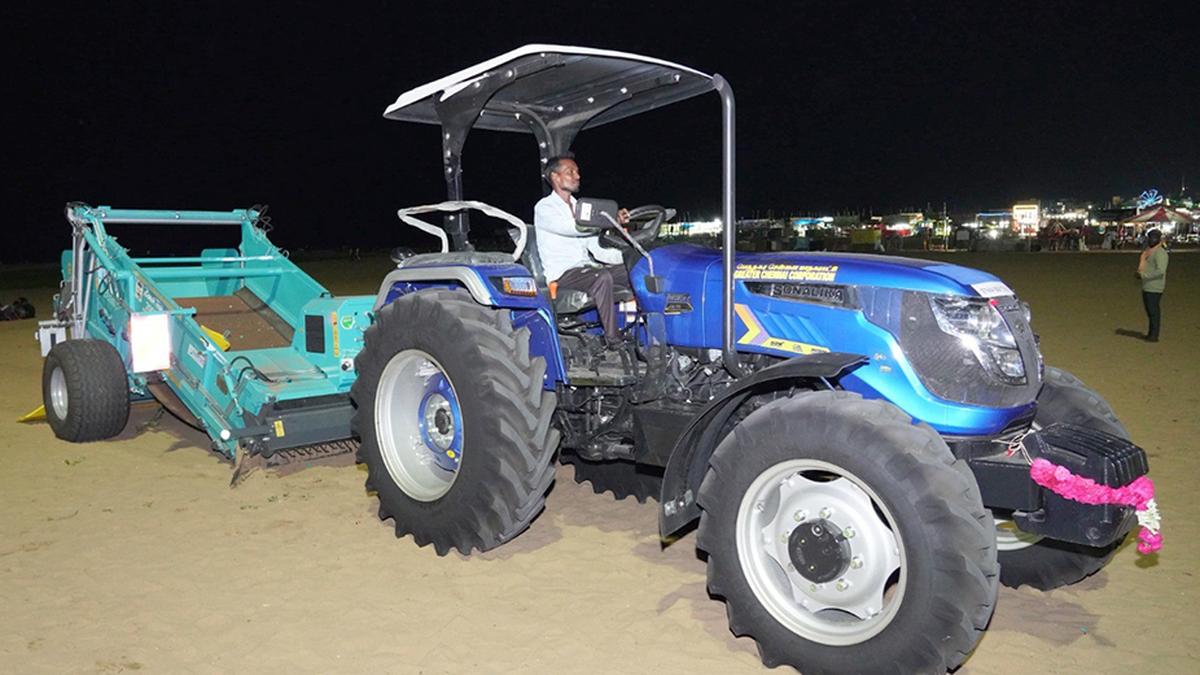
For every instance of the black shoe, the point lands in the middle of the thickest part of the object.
(1150, 339)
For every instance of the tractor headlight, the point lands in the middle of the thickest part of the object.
(982, 330)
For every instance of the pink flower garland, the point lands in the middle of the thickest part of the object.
(1138, 494)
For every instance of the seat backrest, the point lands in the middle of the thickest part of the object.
(530, 257)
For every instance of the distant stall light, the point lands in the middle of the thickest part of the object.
(1067, 215)
(693, 228)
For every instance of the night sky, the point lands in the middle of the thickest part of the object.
(841, 107)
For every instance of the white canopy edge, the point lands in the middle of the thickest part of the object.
(452, 84)
(406, 215)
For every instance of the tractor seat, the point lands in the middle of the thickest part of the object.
(564, 301)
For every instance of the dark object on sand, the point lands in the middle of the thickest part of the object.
(19, 309)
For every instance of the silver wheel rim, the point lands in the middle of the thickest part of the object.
(1009, 537)
(404, 408)
(58, 393)
(865, 597)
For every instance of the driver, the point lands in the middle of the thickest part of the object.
(572, 258)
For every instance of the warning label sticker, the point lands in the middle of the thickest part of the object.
(785, 272)
(198, 356)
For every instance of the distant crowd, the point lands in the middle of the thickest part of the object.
(1057, 237)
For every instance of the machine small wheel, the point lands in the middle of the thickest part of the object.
(85, 391)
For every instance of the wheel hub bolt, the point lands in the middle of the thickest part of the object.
(842, 584)
(826, 512)
(848, 532)
(800, 516)
(856, 562)
(814, 587)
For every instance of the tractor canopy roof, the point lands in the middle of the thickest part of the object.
(551, 91)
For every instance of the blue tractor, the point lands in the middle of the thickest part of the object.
(853, 432)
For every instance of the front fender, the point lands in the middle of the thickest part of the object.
(689, 458)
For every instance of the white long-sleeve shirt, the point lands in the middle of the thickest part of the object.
(560, 245)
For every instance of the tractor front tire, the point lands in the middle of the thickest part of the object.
(844, 538)
(1048, 563)
(455, 425)
(85, 391)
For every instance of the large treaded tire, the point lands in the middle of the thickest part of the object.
(1049, 563)
(946, 535)
(509, 444)
(92, 399)
(621, 478)
(1065, 398)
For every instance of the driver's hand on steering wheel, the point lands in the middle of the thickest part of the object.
(623, 216)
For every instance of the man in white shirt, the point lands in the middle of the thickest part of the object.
(574, 259)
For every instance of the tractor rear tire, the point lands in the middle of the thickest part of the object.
(1047, 563)
(455, 425)
(85, 391)
(622, 478)
(845, 538)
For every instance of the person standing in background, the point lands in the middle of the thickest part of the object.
(1152, 270)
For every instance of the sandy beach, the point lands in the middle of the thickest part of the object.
(135, 554)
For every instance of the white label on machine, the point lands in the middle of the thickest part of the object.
(150, 342)
(50, 333)
(198, 356)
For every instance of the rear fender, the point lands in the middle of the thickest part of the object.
(689, 459)
(536, 314)
(404, 281)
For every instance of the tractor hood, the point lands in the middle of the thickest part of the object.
(968, 367)
(852, 269)
(869, 270)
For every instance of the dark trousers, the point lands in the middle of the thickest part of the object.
(599, 283)
(1153, 304)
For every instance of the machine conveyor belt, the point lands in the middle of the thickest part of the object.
(245, 320)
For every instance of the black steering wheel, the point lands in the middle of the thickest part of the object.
(644, 224)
